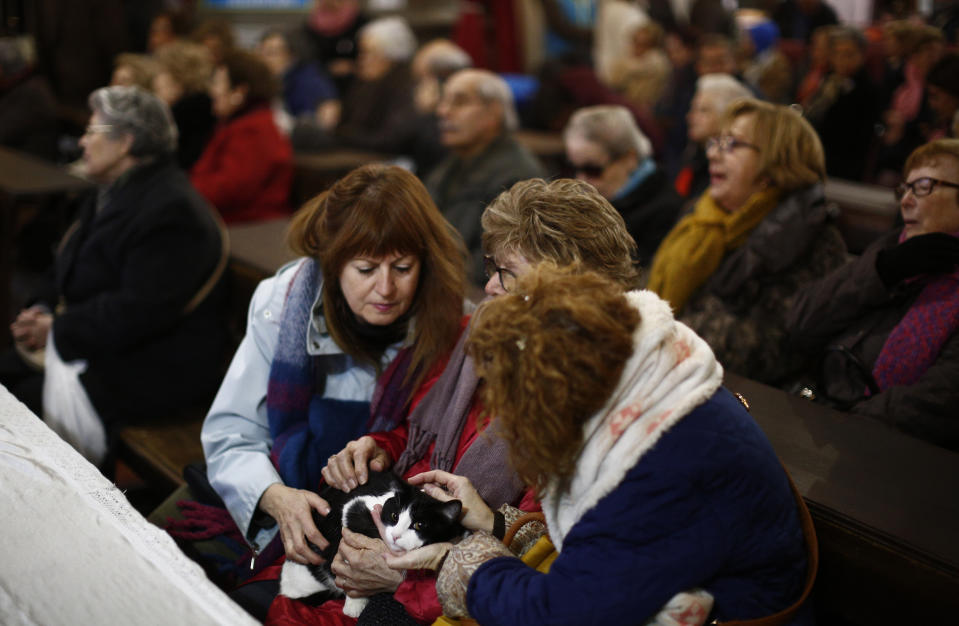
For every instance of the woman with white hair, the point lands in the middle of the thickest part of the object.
(606, 148)
(377, 111)
(129, 330)
(714, 92)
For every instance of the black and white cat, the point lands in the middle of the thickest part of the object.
(412, 518)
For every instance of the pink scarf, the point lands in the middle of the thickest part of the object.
(914, 344)
(330, 22)
(908, 97)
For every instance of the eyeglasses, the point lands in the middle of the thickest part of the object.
(728, 143)
(93, 129)
(507, 279)
(921, 187)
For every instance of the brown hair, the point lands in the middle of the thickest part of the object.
(378, 210)
(246, 68)
(551, 353)
(790, 153)
(564, 221)
(188, 63)
(931, 154)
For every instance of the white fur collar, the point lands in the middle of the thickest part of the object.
(672, 371)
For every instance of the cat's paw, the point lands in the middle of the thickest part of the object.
(354, 606)
(296, 581)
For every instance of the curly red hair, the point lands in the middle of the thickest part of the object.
(551, 352)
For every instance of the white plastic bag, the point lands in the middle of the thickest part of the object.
(67, 409)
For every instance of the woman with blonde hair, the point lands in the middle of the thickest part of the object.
(381, 278)
(758, 234)
(656, 485)
(184, 74)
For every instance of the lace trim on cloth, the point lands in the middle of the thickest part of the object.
(68, 528)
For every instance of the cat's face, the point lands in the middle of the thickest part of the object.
(420, 520)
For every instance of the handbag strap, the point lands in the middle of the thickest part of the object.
(521, 521)
(812, 566)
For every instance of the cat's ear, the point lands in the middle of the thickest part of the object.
(451, 510)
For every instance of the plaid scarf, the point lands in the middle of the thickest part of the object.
(306, 427)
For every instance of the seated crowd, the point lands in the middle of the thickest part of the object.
(516, 334)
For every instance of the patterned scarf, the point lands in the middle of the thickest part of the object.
(914, 344)
(671, 372)
(693, 250)
(306, 427)
(441, 416)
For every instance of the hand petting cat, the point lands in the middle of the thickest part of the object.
(292, 510)
(359, 569)
(350, 467)
(427, 557)
(445, 486)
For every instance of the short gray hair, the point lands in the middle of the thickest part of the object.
(394, 37)
(137, 112)
(611, 126)
(492, 88)
(724, 88)
(443, 58)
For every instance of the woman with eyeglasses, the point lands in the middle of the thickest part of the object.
(607, 149)
(131, 327)
(563, 221)
(759, 233)
(883, 327)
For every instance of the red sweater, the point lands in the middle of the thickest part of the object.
(246, 169)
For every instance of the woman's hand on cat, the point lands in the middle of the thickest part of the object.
(445, 486)
(359, 566)
(428, 557)
(349, 468)
(293, 511)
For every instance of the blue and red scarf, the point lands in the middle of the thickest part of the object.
(306, 427)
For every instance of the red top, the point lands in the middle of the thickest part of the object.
(246, 169)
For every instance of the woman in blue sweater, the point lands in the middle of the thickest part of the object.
(658, 488)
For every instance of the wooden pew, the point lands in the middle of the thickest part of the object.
(866, 211)
(24, 179)
(884, 505)
(158, 453)
(314, 172)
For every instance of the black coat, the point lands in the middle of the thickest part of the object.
(124, 275)
(650, 211)
(843, 322)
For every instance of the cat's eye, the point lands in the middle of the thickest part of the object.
(419, 526)
(394, 516)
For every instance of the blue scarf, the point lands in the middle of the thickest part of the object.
(306, 427)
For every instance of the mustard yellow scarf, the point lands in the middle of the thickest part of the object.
(696, 246)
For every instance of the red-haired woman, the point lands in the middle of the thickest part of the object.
(382, 271)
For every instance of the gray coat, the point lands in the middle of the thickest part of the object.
(462, 188)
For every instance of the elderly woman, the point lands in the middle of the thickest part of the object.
(382, 272)
(181, 82)
(378, 111)
(759, 233)
(564, 221)
(714, 92)
(606, 148)
(883, 327)
(246, 169)
(130, 328)
(649, 471)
